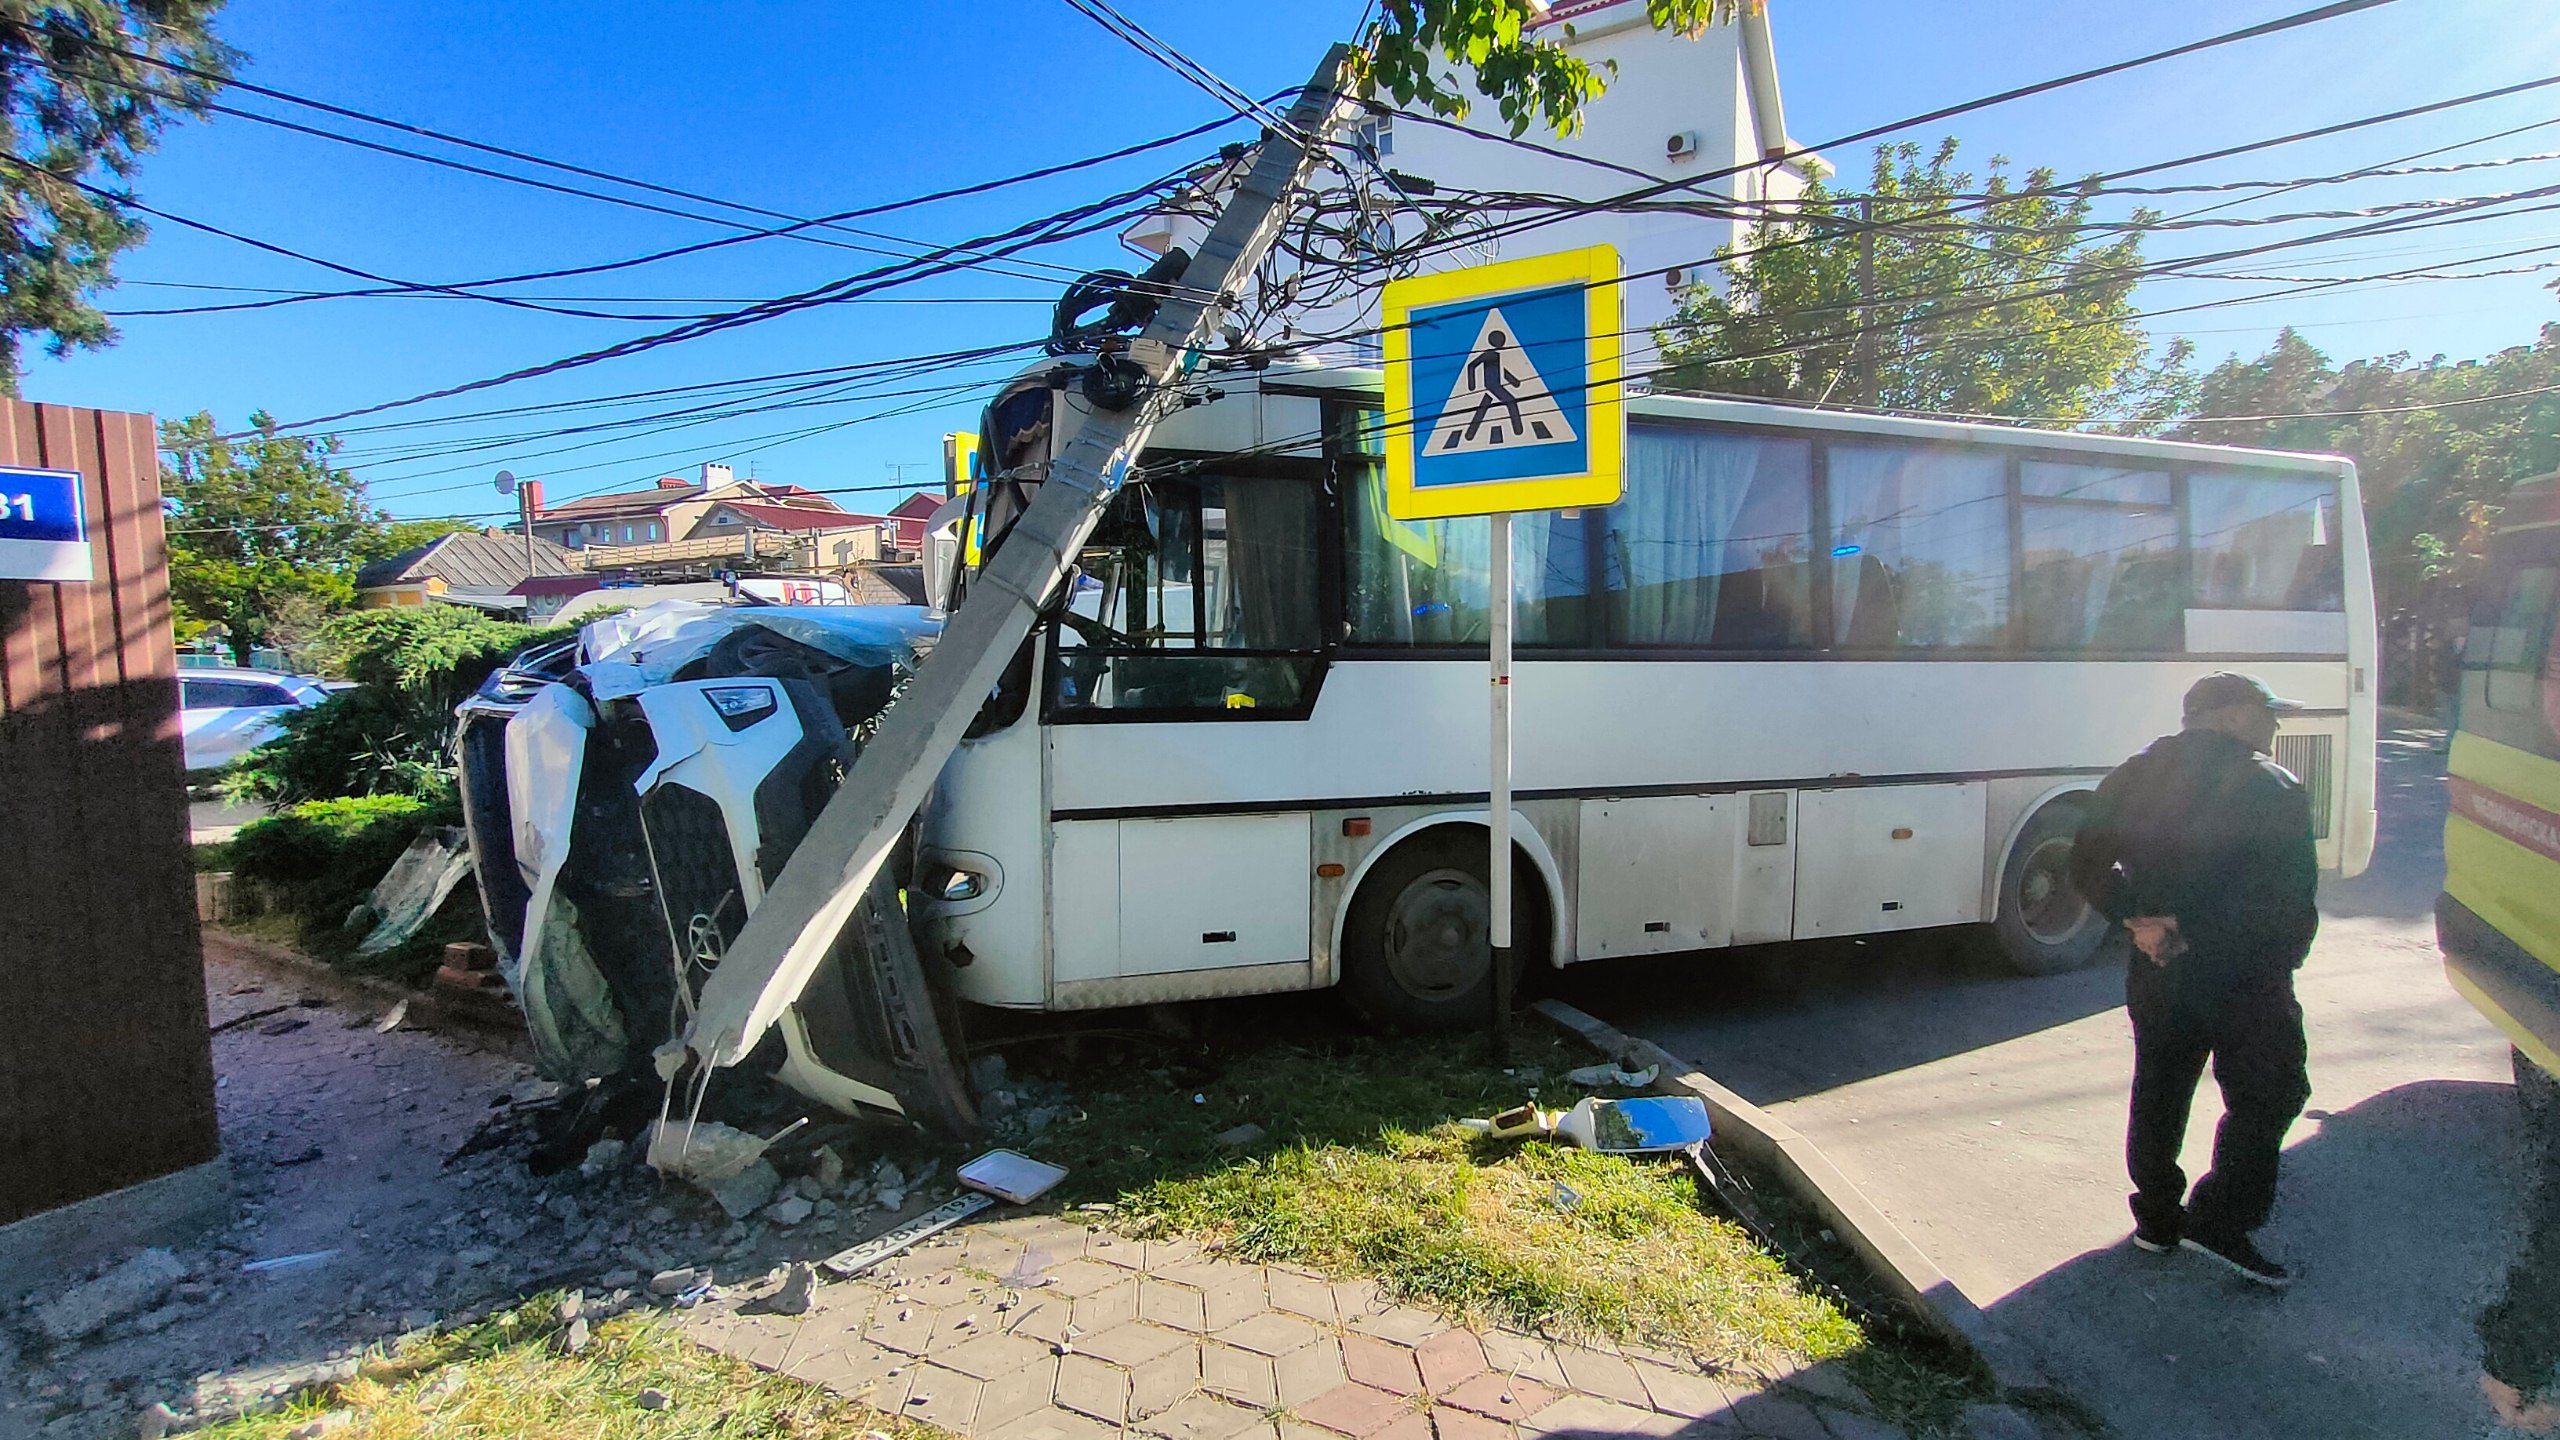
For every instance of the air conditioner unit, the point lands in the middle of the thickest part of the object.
(1682, 146)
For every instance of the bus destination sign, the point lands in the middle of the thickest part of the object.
(1503, 387)
(44, 533)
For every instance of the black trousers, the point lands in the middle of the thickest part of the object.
(2253, 1038)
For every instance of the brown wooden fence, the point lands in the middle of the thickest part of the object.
(106, 1073)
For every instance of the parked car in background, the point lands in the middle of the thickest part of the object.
(228, 713)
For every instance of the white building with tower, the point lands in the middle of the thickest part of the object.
(1676, 107)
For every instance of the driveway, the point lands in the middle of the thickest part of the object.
(1985, 1114)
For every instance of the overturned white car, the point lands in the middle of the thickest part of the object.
(629, 796)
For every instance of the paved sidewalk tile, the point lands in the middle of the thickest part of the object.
(1412, 1427)
(1403, 1324)
(1466, 1425)
(1502, 1397)
(1606, 1376)
(943, 1398)
(1357, 1297)
(1234, 1300)
(1164, 1381)
(1382, 1366)
(1239, 1375)
(1083, 1277)
(1585, 1414)
(1309, 1371)
(1117, 1250)
(1355, 1410)
(1052, 1425)
(1449, 1359)
(1094, 1387)
(1025, 1391)
(1512, 1353)
(1135, 1343)
(991, 1357)
(1106, 1309)
(1204, 1417)
(1301, 1294)
(1271, 1333)
(1682, 1392)
(1170, 1304)
(1044, 1319)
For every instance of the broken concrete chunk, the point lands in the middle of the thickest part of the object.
(790, 1210)
(573, 1339)
(887, 1176)
(140, 1283)
(603, 1157)
(155, 1421)
(674, 1282)
(827, 1168)
(1244, 1134)
(748, 1191)
(653, 1399)
(798, 1286)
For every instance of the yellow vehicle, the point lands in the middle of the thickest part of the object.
(2499, 917)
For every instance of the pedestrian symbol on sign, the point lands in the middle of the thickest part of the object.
(1499, 401)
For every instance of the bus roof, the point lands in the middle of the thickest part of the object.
(2532, 504)
(1288, 375)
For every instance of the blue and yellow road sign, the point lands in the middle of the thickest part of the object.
(1503, 387)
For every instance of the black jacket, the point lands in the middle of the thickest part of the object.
(2203, 828)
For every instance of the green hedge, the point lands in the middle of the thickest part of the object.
(316, 860)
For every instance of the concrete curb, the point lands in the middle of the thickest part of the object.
(428, 1010)
(44, 1249)
(1772, 1143)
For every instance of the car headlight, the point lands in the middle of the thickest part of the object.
(741, 705)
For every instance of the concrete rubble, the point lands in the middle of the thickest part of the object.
(424, 1186)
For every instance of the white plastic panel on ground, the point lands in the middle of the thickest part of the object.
(1212, 892)
(2266, 632)
(1888, 857)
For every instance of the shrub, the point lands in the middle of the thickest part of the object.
(393, 733)
(315, 860)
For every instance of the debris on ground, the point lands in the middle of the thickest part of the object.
(1646, 1125)
(139, 1284)
(1613, 1072)
(414, 889)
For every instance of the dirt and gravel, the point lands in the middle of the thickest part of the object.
(387, 1184)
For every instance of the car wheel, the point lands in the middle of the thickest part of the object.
(1416, 944)
(2043, 926)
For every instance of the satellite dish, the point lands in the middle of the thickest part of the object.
(506, 482)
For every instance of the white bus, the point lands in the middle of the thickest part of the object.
(1816, 674)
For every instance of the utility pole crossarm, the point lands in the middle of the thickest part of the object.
(815, 895)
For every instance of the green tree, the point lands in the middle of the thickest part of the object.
(1994, 298)
(80, 102)
(261, 528)
(2437, 446)
(1529, 77)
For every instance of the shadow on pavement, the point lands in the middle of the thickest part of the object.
(2399, 1218)
(1889, 1003)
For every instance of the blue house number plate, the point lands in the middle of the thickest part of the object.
(44, 534)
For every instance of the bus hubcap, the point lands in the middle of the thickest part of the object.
(2051, 909)
(1437, 933)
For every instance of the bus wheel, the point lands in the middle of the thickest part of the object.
(1416, 945)
(2043, 926)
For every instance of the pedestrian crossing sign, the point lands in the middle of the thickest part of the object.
(1503, 387)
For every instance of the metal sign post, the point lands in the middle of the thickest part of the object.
(1503, 385)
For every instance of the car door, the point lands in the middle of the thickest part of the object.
(225, 718)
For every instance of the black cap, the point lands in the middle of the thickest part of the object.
(2227, 688)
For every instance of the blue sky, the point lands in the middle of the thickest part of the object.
(808, 108)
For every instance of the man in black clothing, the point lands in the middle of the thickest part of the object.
(2202, 847)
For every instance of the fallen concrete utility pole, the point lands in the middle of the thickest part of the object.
(826, 877)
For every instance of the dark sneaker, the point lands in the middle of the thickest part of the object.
(2244, 1259)
(2155, 1239)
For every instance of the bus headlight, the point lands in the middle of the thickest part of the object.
(951, 884)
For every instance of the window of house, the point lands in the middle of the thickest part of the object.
(574, 538)
(2265, 542)
(1712, 543)
(1919, 547)
(653, 530)
(2100, 546)
(1195, 595)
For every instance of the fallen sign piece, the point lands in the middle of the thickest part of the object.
(1646, 1125)
(845, 1264)
(1010, 1177)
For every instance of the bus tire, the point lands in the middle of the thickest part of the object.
(2043, 927)
(1415, 948)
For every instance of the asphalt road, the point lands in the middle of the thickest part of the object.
(1985, 1114)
